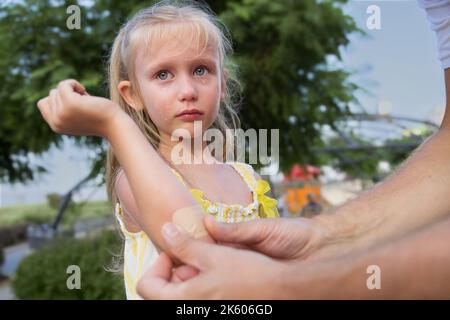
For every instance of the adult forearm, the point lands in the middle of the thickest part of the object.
(415, 266)
(446, 121)
(415, 195)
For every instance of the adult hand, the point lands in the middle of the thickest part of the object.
(278, 238)
(286, 239)
(221, 271)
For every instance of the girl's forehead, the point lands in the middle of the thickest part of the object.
(170, 50)
(186, 41)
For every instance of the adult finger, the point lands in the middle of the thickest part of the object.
(190, 251)
(245, 233)
(152, 284)
(185, 272)
(234, 245)
(156, 282)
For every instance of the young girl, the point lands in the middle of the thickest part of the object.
(168, 68)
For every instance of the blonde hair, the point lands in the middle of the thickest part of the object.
(155, 23)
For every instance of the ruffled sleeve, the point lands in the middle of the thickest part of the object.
(267, 205)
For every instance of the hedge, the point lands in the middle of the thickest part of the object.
(43, 274)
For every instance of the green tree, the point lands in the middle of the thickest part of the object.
(281, 48)
(359, 157)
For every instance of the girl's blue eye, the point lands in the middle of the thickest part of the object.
(162, 75)
(201, 73)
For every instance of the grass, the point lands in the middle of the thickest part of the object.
(43, 213)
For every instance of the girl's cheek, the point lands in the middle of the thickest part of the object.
(162, 117)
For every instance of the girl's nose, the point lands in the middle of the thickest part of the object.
(187, 89)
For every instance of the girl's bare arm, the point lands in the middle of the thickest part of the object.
(155, 191)
(158, 193)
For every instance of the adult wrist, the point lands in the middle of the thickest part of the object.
(335, 228)
(348, 228)
(305, 279)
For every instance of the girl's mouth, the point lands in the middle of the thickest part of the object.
(189, 114)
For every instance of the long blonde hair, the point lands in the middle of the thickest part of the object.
(156, 22)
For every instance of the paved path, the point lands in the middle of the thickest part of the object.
(6, 292)
(13, 256)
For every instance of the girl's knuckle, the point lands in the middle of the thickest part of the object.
(57, 124)
(55, 128)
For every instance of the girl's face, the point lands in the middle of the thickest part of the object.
(176, 77)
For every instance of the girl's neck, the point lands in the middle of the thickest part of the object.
(196, 153)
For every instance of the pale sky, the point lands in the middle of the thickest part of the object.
(398, 64)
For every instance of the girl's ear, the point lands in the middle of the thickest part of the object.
(127, 94)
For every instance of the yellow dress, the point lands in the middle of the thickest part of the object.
(140, 252)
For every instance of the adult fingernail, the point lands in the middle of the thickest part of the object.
(169, 230)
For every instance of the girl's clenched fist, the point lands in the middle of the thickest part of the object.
(69, 109)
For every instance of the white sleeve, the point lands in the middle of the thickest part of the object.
(438, 14)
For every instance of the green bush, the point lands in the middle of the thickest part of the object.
(43, 274)
(53, 200)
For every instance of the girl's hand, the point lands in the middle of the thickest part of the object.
(69, 109)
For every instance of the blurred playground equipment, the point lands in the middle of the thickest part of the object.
(302, 193)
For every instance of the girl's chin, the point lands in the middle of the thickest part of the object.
(187, 133)
(189, 129)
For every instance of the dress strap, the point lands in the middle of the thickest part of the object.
(175, 172)
(247, 173)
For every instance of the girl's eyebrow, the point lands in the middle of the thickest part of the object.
(169, 63)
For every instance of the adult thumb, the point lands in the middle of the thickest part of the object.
(246, 233)
(182, 246)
